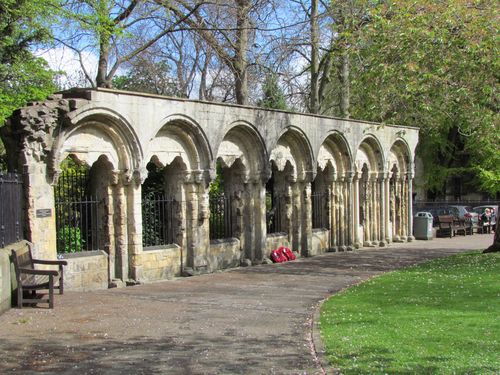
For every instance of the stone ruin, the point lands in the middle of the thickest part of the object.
(361, 171)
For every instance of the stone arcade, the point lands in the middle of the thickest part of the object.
(362, 170)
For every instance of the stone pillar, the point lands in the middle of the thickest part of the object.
(192, 240)
(350, 205)
(306, 222)
(397, 209)
(288, 212)
(341, 215)
(134, 221)
(387, 198)
(375, 210)
(333, 215)
(367, 212)
(357, 240)
(40, 210)
(410, 206)
(404, 208)
(202, 230)
(120, 225)
(260, 224)
(383, 209)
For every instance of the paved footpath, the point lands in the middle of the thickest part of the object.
(255, 320)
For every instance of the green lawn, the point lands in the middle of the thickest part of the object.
(442, 317)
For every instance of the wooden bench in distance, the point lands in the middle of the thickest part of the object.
(30, 280)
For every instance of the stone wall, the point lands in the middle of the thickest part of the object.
(275, 241)
(5, 279)
(86, 271)
(364, 171)
(224, 254)
(320, 242)
(158, 263)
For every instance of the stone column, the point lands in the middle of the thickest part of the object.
(120, 224)
(367, 212)
(383, 209)
(260, 224)
(192, 219)
(375, 209)
(357, 240)
(134, 221)
(287, 214)
(397, 208)
(349, 217)
(404, 208)
(202, 230)
(306, 222)
(341, 214)
(410, 206)
(333, 215)
(40, 210)
(387, 199)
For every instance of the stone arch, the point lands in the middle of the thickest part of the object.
(95, 132)
(243, 161)
(242, 141)
(292, 172)
(332, 190)
(370, 192)
(335, 148)
(180, 136)
(399, 174)
(294, 147)
(399, 156)
(370, 152)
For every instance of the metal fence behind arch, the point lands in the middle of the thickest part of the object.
(221, 221)
(11, 208)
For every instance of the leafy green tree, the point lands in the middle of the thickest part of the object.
(273, 95)
(23, 77)
(434, 64)
(148, 76)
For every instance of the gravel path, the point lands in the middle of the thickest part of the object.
(255, 320)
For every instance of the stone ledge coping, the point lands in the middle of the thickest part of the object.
(277, 234)
(171, 246)
(224, 240)
(83, 254)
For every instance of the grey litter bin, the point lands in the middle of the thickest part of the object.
(422, 226)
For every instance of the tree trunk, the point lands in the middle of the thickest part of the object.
(240, 62)
(102, 67)
(495, 246)
(345, 93)
(313, 103)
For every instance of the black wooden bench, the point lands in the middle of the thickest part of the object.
(30, 280)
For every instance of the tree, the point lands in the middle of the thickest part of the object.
(23, 77)
(117, 31)
(435, 65)
(273, 96)
(228, 28)
(147, 75)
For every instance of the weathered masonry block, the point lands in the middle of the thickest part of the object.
(308, 182)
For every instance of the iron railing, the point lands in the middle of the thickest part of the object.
(319, 217)
(274, 214)
(11, 208)
(77, 224)
(76, 212)
(441, 203)
(221, 222)
(157, 220)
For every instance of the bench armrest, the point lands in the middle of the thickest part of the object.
(38, 272)
(53, 262)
